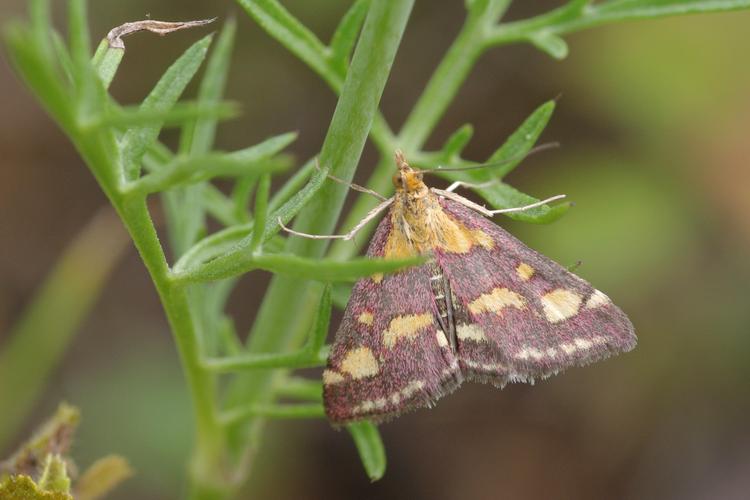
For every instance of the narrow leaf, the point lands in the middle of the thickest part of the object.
(502, 195)
(340, 294)
(521, 141)
(78, 32)
(147, 118)
(198, 137)
(287, 30)
(370, 447)
(301, 389)
(237, 263)
(550, 43)
(102, 477)
(193, 169)
(106, 62)
(237, 415)
(457, 142)
(322, 321)
(641, 9)
(162, 97)
(345, 36)
(260, 213)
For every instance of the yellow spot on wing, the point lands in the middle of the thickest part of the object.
(560, 304)
(496, 301)
(360, 363)
(406, 327)
(597, 299)
(470, 332)
(441, 340)
(483, 239)
(524, 271)
(366, 318)
(331, 377)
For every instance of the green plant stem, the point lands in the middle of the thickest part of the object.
(275, 328)
(206, 467)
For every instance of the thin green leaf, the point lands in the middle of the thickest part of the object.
(295, 204)
(302, 358)
(520, 142)
(63, 57)
(502, 195)
(219, 206)
(292, 34)
(78, 33)
(241, 193)
(291, 186)
(340, 294)
(457, 142)
(106, 61)
(301, 389)
(221, 243)
(139, 118)
(235, 264)
(642, 9)
(198, 137)
(162, 97)
(39, 73)
(260, 213)
(370, 447)
(193, 169)
(102, 477)
(41, 27)
(550, 43)
(345, 36)
(237, 415)
(322, 321)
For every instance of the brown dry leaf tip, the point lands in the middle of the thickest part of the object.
(114, 37)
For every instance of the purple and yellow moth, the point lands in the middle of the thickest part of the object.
(484, 307)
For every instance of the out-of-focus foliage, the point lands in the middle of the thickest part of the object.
(42, 469)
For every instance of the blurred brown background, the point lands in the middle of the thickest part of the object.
(653, 123)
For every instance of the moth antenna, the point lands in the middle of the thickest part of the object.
(527, 207)
(471, 185)
(351, 185)
(537, 149)
(348, 236)
(485, 211)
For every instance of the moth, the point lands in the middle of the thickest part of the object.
(484, 308)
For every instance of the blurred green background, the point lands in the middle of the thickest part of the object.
(653, 119)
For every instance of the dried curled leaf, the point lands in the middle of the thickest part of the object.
(114, 37)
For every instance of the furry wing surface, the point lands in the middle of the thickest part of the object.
(389, 355)
(519, 315)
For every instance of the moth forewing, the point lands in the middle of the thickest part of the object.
(485, 307)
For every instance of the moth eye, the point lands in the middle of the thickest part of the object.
(397, 180)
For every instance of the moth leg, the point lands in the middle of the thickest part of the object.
(489, 213)
(370, 215)
(355, 187)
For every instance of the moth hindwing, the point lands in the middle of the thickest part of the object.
(485, 307)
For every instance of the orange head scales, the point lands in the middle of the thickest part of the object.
(407, 180)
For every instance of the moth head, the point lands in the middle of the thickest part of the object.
(408, 180)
